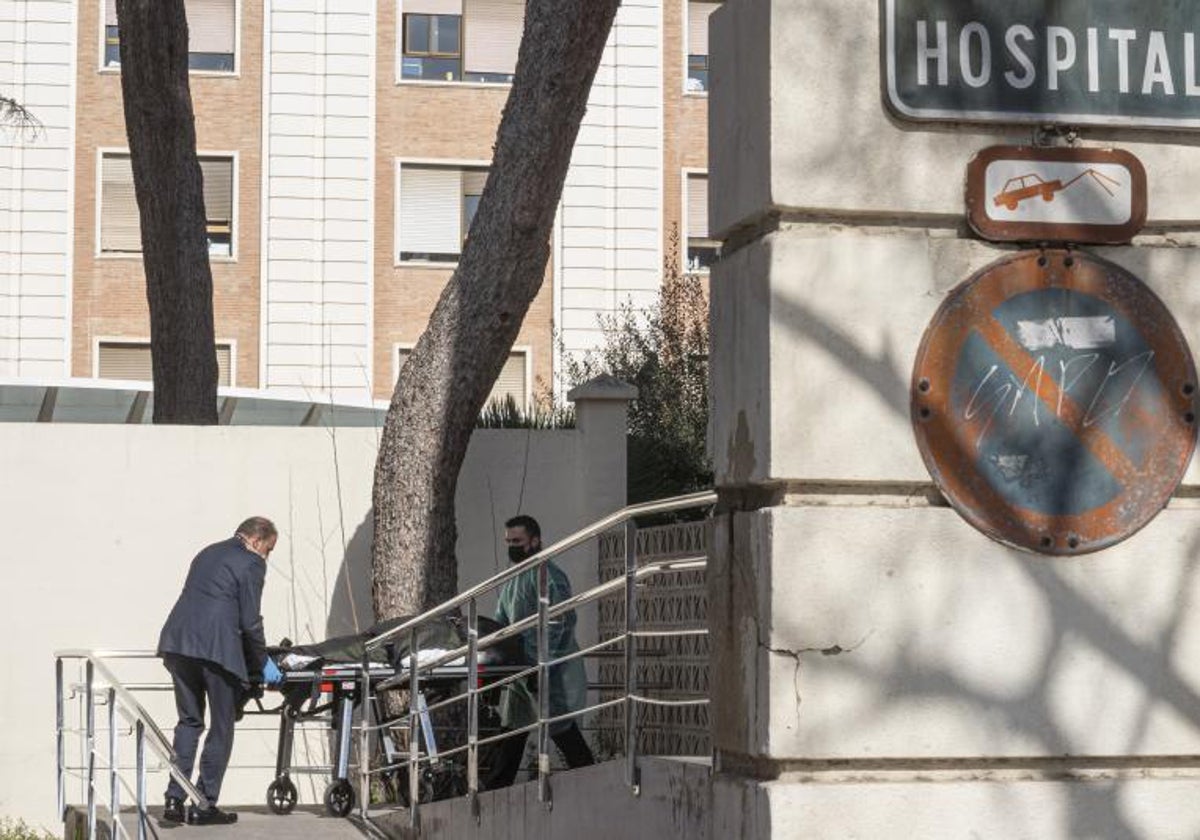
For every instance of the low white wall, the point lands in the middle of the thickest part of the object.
(101, 522)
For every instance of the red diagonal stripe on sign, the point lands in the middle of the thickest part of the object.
(1093, 438)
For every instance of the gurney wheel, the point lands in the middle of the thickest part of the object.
(281, 795)
(339, 798)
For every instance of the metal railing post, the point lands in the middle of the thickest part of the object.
(60, 736)
(140, 753)
(543, 682)
(364, 742)
(473, 706)
(414, 767)
(631, 620)
(89, 697)
(114, 774)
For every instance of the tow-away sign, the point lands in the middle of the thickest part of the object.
(1073, 62)
(1035, 194)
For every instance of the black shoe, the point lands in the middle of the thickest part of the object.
(210, 816)
(173, 810)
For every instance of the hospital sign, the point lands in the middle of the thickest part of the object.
(1072, 62)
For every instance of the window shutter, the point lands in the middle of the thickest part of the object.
(430, 209)
(473, 181)
(431, 7)
(120, 226)
(493, 35)
(110, 12)
(125, 361)
(131, 361)
(697, 206)
(224, 365)
(511, 381)
(210, 26)
(218, 189)
(698, 27)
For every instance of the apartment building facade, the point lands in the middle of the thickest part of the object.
(344, 147)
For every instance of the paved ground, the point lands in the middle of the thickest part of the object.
(252, 824)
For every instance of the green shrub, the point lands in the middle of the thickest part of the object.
(506, 414)
(18, 830)
(663, 352)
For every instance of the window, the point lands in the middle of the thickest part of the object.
(120, 225)
(461, 40)
(510, 383)
(697, 46)
(702, 252)
(130, 361)
(211, 35)
(435, 208)
(432, 47)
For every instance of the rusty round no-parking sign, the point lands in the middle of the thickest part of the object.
(1053, 401)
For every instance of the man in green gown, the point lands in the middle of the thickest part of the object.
(568, 681)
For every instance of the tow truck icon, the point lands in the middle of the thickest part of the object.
(1031, 185)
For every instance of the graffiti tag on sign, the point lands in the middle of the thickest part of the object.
(1054, 402)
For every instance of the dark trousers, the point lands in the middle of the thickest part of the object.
(506, 755)
(199, 683)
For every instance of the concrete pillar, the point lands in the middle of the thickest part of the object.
(881, 669)
(601, 426)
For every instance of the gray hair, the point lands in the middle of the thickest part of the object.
(258, 528)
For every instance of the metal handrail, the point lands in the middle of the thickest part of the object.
(620, 517)
(539, 621)
(121, 700)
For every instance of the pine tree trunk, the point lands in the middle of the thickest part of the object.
(446, 380)
(170, 196)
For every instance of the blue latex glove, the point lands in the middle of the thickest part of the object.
(271, 674)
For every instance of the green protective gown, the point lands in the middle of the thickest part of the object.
(568, 682)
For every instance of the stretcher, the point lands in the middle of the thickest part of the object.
(324, 682)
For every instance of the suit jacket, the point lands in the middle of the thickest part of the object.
(218, 615)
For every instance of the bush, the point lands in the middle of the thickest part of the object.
(664, 353)
(18, 830)
(506, 414)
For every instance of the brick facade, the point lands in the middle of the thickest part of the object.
(421, 121)
(109, 291)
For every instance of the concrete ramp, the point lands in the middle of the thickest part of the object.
(591, 803)
(252, 824)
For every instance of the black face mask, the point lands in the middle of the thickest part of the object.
(516, 553)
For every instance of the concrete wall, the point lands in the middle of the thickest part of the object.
(881, 668)
(102, 521)
(319, 119)
(37, 69)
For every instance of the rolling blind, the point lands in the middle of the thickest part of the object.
(493, 35)
(431, 7)
(511, 381)
(218, 188)
(110, 12)
(698, 27)
(473, 181)
(697, 206)
(120, 227)
(210, 26)
(130, 361)
(430, 209)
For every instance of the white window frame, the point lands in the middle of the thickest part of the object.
(526, 350)
(686, 38)
(683, 218)
(461, 83)
(235, 221)
(219, 74)
(124, 339)
(397, 164)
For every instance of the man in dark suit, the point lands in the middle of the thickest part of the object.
(213, 643)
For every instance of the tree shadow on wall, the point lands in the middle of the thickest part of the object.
(1074, 616)
(350, 609)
